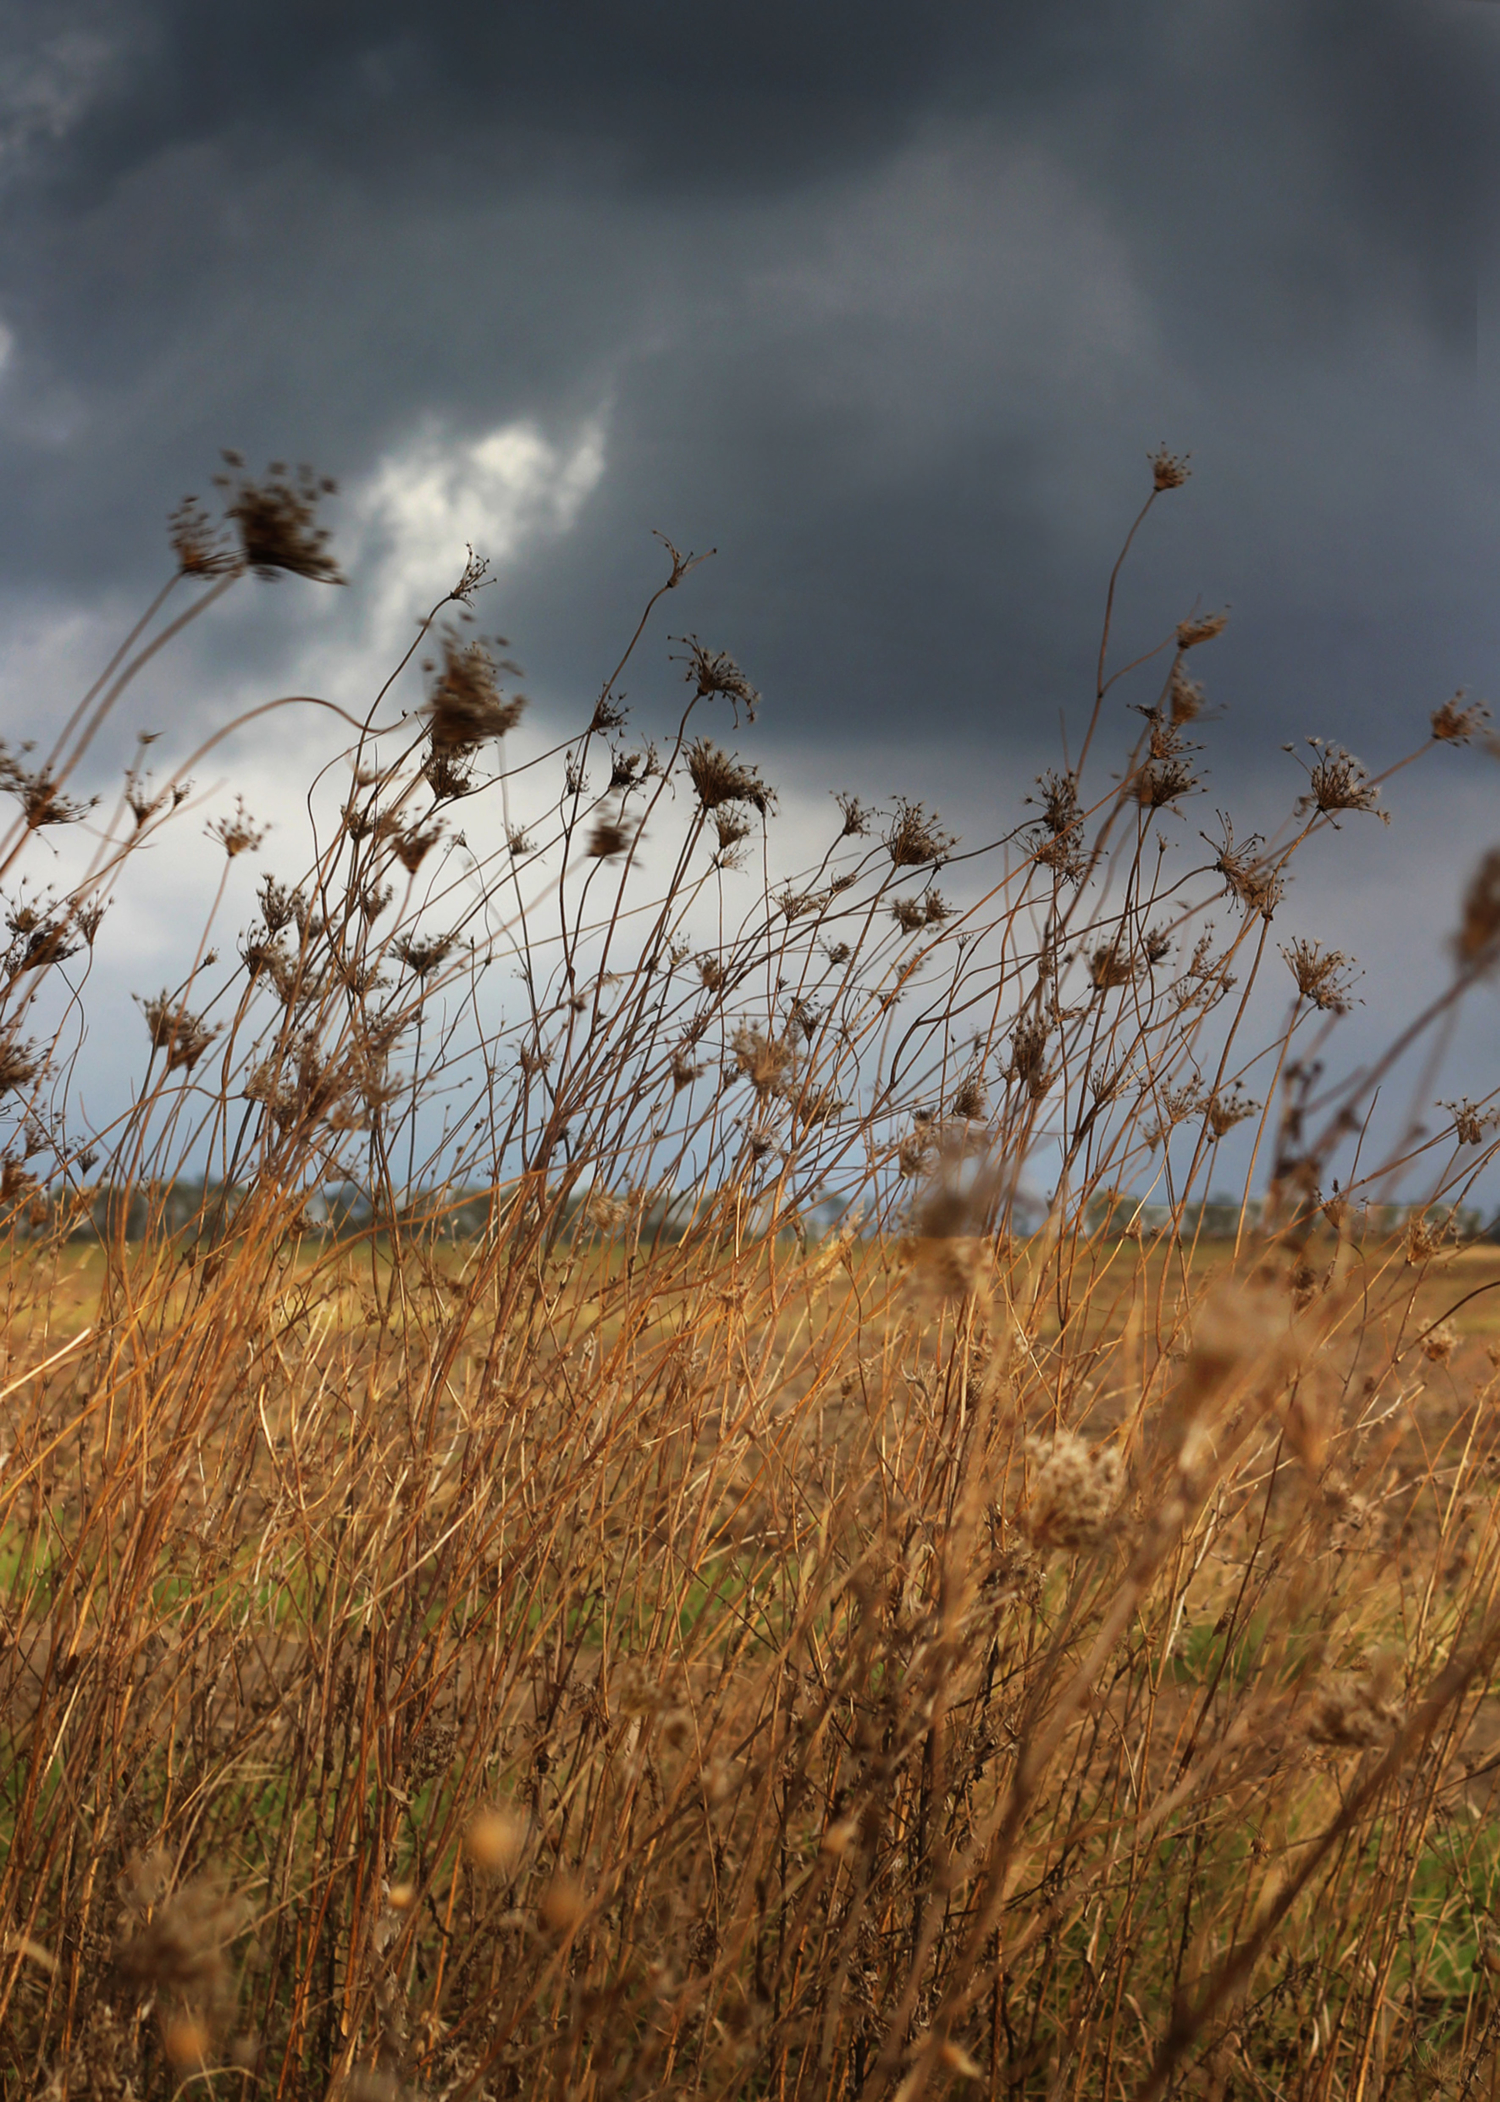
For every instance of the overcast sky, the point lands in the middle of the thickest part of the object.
(887, 303)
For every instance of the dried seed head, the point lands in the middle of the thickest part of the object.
(277, 522)
(712, 672)
(496, 1840)
(1169, 470)
(1202, 628)
(604, 1213)
(1479, 931)
(1469, 1122)
(915, 839)
(610, 836)
(564, 1906)
(721, 777)
(1337, 781)
(1426, 1237)
(970, 1100)
(1184, 695)
(683, 1071)
(1162, 781)
(1223, 1111)
(238, 833)
(767, 1062)
(1028, 1056)
(1111, 966)
(183, 1948)
(186, 2042)
(19, 1064)
(424, 956)
(1355, 1714)
(1076, 1493)
(1322, 975)
(1457, 721)
(464, 703)
(412, 847)
(1440, 1342)
(952, 1265)
(183, 1036)
(1252, 880)
(202, 548)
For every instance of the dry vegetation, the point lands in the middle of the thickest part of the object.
(693, 1589)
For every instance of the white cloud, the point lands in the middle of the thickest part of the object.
(425, 503)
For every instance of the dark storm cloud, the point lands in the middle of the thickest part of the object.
(888, 303)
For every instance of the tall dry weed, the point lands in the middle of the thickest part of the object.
(595, 1541)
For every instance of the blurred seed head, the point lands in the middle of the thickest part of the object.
(1075, 1495)
(1202, 627)
(276, 520)
(1169, 470)
(496, 1841)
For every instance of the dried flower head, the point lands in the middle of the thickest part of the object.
(1479, 930)
(277, 521)
(909, 915)
(731, 830)
(856, 817)
(1169, 470)
(1162, 781)
(1028, 1056)
(1457, 721)
(1185, 697)
(19, 1064)
(464, 702)
(1469, 1121)
(712, 672)
(767, 1062)
(1222, 1112)
(1202, 627)
(496, 1841)
(411, 847)
(609, 836)
(1439, 1342)
(1426, 1237)
(42, 800)
(1251, 879)
(604, 1213)
(915, 839)
(237, 833)
(1356, 1713)
(202, 547)
(633, 769)
(183, 1036)
(447, 773)
(183, 1949)
(1322, 975)
(1336, 781)
(1111, 965)
(423, 955)
(952, 1265)
(1076, 1493)
(721, 777)
(970, 1101)
(684, 1072)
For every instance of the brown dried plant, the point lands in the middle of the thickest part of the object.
(723, 1508)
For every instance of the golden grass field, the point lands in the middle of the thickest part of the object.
(771, 1607)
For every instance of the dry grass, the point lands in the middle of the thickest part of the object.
(757, 1612)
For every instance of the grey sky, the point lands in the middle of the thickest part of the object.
(889, 303)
